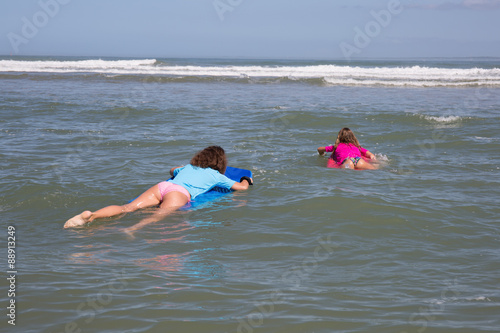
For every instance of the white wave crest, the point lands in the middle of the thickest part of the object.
(381, 157)
(443, 119)
(96, 66)
(414, 76)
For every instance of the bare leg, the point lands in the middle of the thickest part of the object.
(363, 165)
(172, 201)
(149, 198)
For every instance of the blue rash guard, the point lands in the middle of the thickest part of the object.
(198, 180)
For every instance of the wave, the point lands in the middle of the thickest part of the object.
(443, 119)
(81, 66)
(325, 74)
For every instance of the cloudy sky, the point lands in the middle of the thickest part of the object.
(314, 29)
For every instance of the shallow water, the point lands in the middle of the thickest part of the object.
(411, 247)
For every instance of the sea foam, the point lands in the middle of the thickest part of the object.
(409, 76)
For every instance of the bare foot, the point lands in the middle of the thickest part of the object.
(78, 220)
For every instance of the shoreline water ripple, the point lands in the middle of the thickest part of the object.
(411, 247)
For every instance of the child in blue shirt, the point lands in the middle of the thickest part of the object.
(205, 171)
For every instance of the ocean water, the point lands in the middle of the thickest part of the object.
(411, 247)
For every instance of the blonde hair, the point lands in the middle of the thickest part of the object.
(346, 136)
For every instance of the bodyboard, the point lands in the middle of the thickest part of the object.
(216, 192)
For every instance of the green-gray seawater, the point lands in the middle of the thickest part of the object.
(412, 247)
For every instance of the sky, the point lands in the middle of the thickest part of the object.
(284, 29)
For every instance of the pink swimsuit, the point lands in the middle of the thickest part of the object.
(166, 187)
(345, 151)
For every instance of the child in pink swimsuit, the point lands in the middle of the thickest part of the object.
(347, 152)
(205, 171)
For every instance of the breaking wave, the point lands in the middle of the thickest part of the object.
(326, 74)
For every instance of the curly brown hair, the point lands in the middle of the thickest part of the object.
(211, 157)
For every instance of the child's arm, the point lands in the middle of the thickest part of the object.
(370, 155)
(243, 184)
(172, 170)
(321, 150)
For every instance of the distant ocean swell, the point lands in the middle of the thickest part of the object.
(324, 74)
